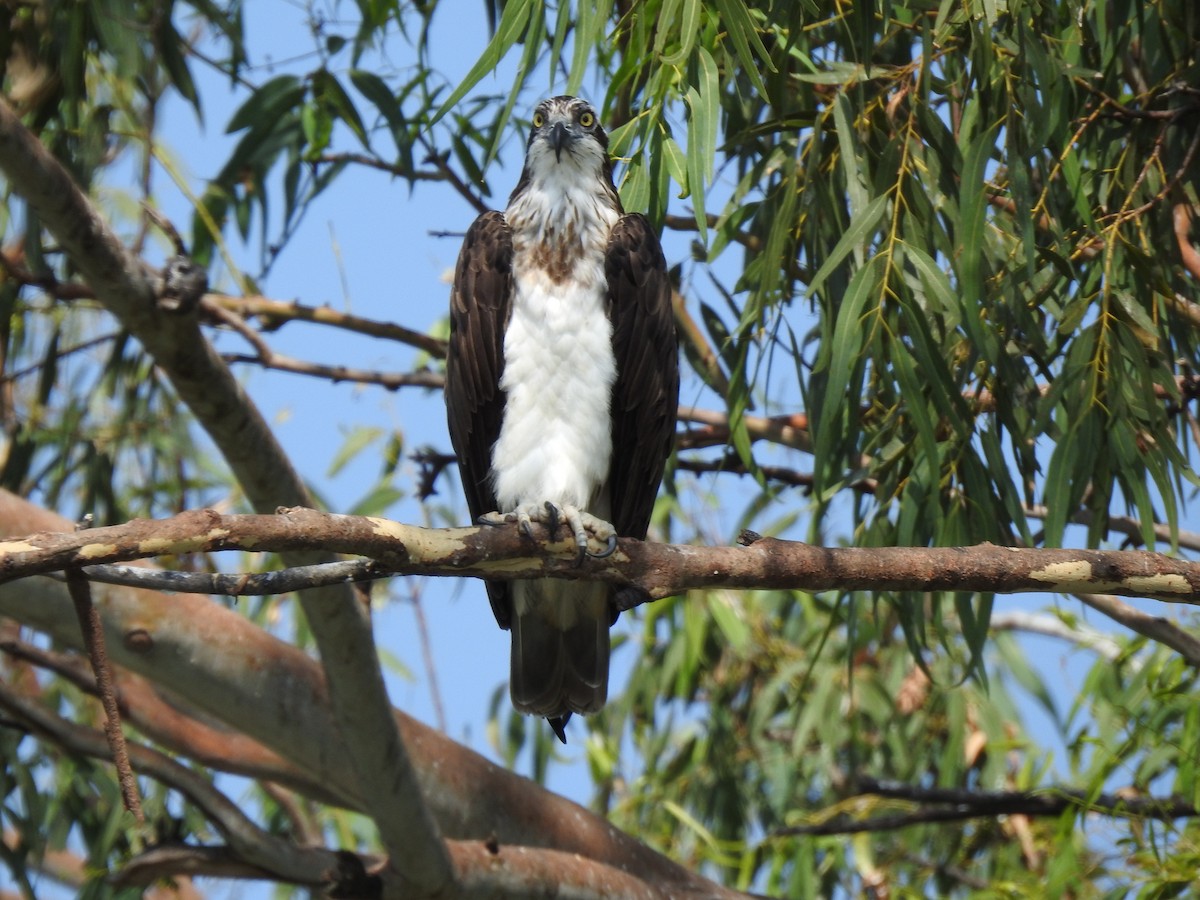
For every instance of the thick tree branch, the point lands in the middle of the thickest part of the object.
(223, 665)
(661, 570)
(253, 845)
(173, 723)
(342, 629)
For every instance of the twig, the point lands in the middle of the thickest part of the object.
(62, 354)
(439, 162)
(435, 694)
(1052, 626)
(1156, 628)
(274, 313)
(93, 640)
(241, 584)
(789, 430)
(949, 805)
(390, 380)
(1182, 219)
(1126, 525)
(733, 466)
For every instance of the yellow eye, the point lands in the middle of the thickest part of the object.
(538, 120)
(586, 119)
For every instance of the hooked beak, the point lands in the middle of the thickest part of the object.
(558, 139)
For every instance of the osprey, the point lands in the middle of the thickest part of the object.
(562, 381)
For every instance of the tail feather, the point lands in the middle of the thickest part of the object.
(560, 647)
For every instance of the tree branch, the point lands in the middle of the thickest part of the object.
(342, 629)
(1156, 628)
(173, 723)
(661, 570)
(226, 667)
(255, 846)
(951, 805)
(274, 314)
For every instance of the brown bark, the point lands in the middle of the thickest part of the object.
(661, 570)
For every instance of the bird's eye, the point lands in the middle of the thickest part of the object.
(586, 119)
(538, 120)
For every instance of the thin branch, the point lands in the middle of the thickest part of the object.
(270, 359)
(439, 162)
(696, 347)
(1156, 628)
(93, 640)
(950, 805)
(783, 475)
(789, 430)
(1052, 626)
(62, 354)
(12, 266)
(241, 584)
(390, 380)
(274, 314)
(1126, 525)
(1182, 216)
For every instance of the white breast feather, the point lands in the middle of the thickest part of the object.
(556, 438)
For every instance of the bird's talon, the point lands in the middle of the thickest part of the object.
(552, 513)
(610, 547)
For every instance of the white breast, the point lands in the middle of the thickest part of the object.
(556, 438)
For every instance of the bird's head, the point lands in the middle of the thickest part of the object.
(566, 131)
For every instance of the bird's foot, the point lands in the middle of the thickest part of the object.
(551, 514)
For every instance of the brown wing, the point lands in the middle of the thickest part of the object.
(479, 311)
(646, 394)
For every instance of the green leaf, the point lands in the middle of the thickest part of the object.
(862, 227)
(268, 103)
(742, 31)
(726, 613)
(328, 91)
(689, 30)
(697, 163)
(358, 440)
(676, 165)
(841, 395)
(512, 26)
(377, 92)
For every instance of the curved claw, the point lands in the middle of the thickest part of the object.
(486, 519)
(552, 514)
(609, 549)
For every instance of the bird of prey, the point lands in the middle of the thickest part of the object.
(562, 381)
